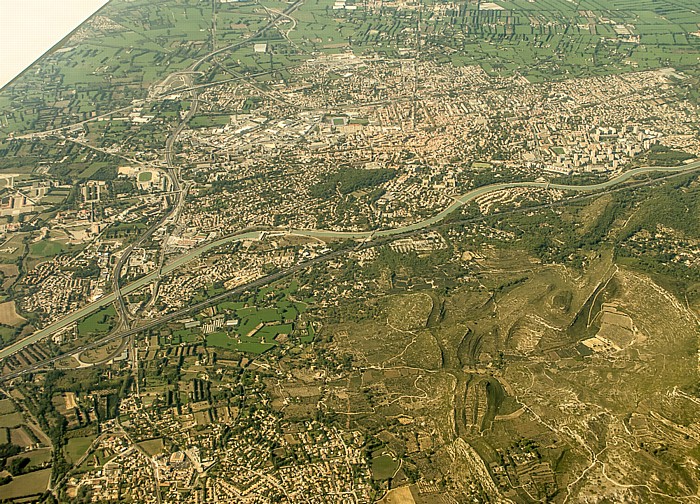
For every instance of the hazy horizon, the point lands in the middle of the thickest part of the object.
(32, 27)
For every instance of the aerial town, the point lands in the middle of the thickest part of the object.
(354, 251)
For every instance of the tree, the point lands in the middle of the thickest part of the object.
(18, 465)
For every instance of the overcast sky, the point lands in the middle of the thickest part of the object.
(28, 28)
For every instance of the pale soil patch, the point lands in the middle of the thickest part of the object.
(398, 496)
(616, 327)
(20, 437)
(70, 400)
(490, 6)
(69, 362)
(299, 391)
(8, 314)
(9, 269)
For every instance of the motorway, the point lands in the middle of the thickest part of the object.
(327, 234)
(150, 324)
(174, 175)
(172, 215)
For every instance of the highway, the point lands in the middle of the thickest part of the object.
(180, 313)
(328, 234)
(173, 174)
(171, 214)
(108, 299)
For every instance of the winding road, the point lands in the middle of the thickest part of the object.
(329, 234)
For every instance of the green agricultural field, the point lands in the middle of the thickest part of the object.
(210, 121)
(145, 176)
(268, 333)
(99, 455)
(92, 169)
(250, 345)
(7, 335)
(383, 467)
(185, 336)
(289, 311)
(46, 248)
(253, 317)
(254, 347)
(248, 325)
(246, 311)
(37, 458)
(262, 324)
(10, 420)
(53, 200)
(76, 447)
(99, 322)
(230, 305)
(220, 339)
(34, 483)
(6, 407)
(266, 315)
